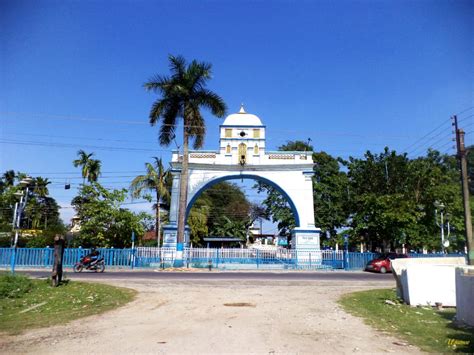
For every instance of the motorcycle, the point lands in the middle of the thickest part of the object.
(87, 263)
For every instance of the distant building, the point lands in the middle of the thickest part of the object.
(75, 225)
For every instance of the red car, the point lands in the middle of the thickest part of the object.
(382, 263)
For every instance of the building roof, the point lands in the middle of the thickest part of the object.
(242, 118)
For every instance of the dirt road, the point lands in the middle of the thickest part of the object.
(215, 317)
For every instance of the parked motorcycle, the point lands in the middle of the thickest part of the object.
(87, 263)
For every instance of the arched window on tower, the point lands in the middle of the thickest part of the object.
(255, 150)
(227, 149)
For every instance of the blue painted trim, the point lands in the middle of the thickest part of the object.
(289, 152)
(197, 151)
(242, 139)
(245, 176)
(317, 230)
(243, 126)
(172, 228)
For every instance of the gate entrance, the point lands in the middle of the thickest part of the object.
(242, 155)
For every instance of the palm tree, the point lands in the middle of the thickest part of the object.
(153, 181)
(182, 95)
(83, 161)
(7, 180)
(94, 167)
(40, 186)
(9, 177)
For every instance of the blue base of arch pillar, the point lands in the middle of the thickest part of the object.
(170, 240)
(307, 245)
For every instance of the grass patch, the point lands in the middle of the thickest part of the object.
(42, 305)
(14, 286)
(429, 329)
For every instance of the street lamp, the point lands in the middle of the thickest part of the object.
(19, 208)
(441, 206)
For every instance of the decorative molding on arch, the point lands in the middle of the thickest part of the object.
(219, 179)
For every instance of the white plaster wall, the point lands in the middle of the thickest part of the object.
(428, 284)
(465, 295)
(297, 185)
(262, 158)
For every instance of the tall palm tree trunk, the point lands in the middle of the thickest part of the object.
(183, 190)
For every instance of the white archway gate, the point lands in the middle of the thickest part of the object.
(242, 155)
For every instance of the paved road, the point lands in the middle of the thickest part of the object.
(220, 275)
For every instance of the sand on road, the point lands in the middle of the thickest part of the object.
(215, 317)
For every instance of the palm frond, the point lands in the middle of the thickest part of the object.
(196, 126)
(157, 110)
(168, 127)
(198, 74)
(158, 83)
(177, 66)
(93, 168)
(212, 102)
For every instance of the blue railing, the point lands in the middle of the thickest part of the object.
(202, 257)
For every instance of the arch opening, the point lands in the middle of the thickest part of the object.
(217, 180)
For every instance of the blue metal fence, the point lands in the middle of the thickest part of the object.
(203, 258)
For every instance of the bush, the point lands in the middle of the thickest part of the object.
(14, 286)
(149, 243)
(40, 241)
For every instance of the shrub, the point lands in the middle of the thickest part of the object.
(14, 286)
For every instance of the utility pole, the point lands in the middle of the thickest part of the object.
(461, 154)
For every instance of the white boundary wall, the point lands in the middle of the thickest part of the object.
(465, 294)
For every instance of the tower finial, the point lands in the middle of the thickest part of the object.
(242, 108)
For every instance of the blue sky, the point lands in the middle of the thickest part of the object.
(350, 75)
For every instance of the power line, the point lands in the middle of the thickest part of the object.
(82, 138)
(465, 110)
(285, 131)
(428, 142)
(78, 145)
(426, 135)
(465, 118)
(431, 145)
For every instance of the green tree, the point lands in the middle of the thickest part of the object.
(223, 208)
(94, 170)
(198, 224)
(154, 181)
(330, 194)
(41, 212)
(7, 180)
(83, 161)
(90, 168)
(230, 228)
(182, 95)
(393, 199)
(103, 222)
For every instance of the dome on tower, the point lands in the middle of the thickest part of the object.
(242, 118)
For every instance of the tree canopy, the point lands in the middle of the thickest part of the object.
(222, 210)
(40, 218)
(104, 223)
